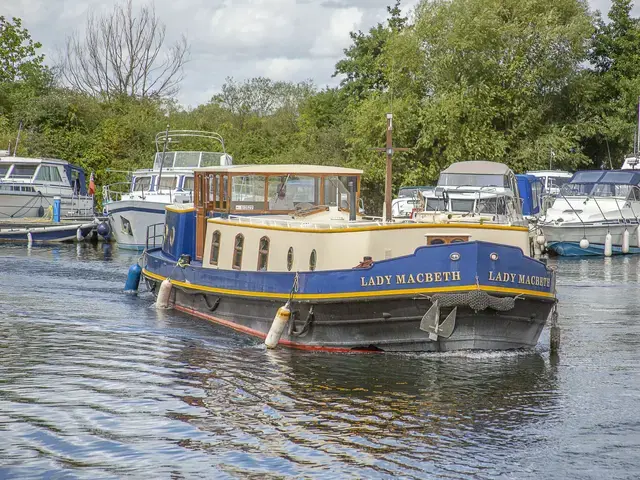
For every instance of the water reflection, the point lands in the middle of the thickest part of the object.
(94, 383)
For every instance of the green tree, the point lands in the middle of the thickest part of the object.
(19, 59)
(364, 65)
(611, 88)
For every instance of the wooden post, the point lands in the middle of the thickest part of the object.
(388, 181)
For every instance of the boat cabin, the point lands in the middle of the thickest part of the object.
(34, 174)
(552, 180)
(478, 173)
(277, 190)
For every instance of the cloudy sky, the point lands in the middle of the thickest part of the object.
(281, 39)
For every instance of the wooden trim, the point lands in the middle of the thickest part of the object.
(402, 226)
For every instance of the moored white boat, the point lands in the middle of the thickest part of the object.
(134, 207)
(596, 213)
(29, 185)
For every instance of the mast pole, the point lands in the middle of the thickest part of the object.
(164, 151)
(388, 184)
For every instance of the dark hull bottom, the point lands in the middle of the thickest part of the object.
(372, 325)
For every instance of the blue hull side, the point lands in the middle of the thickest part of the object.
(572, 249)
(20, 235)
(380, 307)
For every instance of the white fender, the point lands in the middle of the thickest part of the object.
(540, 240)
(29, 239)
(608, 248)
(638, 236)
(277, 327)
(164, 293)
(584, 243)
(79, 236)
(625, 241)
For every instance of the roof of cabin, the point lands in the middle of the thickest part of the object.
(12, 159)
(282, 169)
(478, 167)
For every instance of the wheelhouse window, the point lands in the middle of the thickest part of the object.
(247, 192)
(187, 184)
(3, 170)
(263, 254)
(237, 252)
(48, 174)
(336, 191)
(313, 260)
(289, 192)
(215, 248)
(290, 259)
(473, 180)
(167, 183)
(23, 171)
(141, 184)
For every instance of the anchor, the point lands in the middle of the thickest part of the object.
(431, 322)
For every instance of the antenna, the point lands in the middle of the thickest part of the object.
(17, 139)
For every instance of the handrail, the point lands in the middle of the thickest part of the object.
(155, 235)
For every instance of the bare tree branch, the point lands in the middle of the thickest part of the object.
(124, 53)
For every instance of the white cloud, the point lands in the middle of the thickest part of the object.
(283, 39)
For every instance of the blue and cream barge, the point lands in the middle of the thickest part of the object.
(259, 237)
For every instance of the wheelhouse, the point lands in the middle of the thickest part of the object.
(271, 190)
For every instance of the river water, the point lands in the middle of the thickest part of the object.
(96, 384)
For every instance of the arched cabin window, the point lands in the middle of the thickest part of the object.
(313, 260)
(290, 259)
(263, 254)
(237, 252)
(215, 248)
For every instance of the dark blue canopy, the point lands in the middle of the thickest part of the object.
(625, 177)
(530, 190)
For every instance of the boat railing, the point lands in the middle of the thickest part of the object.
(114, 191)
(281, 222)
(154, 239)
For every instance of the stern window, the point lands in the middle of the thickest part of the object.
(443, 239)
(263, 254)
(237, 252)
(215, 248)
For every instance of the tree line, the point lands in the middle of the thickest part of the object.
(523, 82)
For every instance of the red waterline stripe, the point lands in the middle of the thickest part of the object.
(256, 333)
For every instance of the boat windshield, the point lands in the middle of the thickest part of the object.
(492, 205)
(141, 184)
(23, 171)
(596, 190)
(557, 182)
(3, 170)
(472, 180)
(462, 205)
(435, 205)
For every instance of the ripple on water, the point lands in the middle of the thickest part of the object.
(95, 384)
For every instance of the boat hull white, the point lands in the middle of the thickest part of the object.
(129, 220)
(34, 205)
(565, 239)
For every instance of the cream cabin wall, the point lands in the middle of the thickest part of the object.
(340, 249)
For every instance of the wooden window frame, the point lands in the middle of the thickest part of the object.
(237, 250)
(215, 244)
(263, 252)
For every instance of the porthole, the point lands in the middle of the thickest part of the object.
(290, 259)
(313, 259)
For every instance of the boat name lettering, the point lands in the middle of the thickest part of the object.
(519, 278)
(409, 278)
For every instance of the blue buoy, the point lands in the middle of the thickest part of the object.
(56, 209)
(133, 279)
(104, 230)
